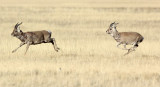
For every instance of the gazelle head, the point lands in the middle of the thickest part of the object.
(17, 31)
(112, 28)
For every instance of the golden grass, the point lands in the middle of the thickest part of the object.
(88, 57)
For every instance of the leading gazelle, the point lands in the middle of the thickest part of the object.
(125, 38)
(33, 38)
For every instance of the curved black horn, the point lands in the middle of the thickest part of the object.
(17, 24)
(20, 23)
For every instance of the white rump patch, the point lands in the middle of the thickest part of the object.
(49, 32)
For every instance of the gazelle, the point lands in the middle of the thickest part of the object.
(125, 38)
(32, 38)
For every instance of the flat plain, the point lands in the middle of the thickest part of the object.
(88, 56)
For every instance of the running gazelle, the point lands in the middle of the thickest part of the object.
(125, 38)
(33, 38)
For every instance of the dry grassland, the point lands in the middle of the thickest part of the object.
(88, 57)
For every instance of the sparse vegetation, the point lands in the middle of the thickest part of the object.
(88, 57)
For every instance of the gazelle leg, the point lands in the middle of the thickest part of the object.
(134, 46)
(18, 47)
(122, 48)
(27, 48)
(53, 41)
(125, 47)
(118, 45)
(131, 49)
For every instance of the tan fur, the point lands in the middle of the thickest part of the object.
(125, 38)
(129, 37)
(33, 38)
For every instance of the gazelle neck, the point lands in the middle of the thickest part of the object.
(21, 36)
(115, 34)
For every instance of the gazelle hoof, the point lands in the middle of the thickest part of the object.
(13, 51)
(57, 49)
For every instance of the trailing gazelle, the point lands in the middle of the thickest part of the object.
(125, 38)
(33, 38)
